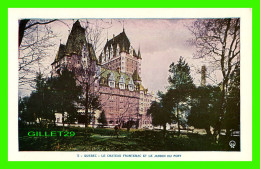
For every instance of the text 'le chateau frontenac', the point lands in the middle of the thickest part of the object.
(115, 77)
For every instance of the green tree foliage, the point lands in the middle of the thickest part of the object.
(102, 118)
(180, 77)
(56, 94)
(25, 113)
(161, 111)
(36, 107)
(181, 85)
(72, 114)
(66, 94)
(160, 114)
(205, 106)
(39, 100)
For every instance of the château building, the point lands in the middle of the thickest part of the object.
(116, 77)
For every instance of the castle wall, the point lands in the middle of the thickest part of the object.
(119, 105)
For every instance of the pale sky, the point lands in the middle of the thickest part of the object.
(162, 41)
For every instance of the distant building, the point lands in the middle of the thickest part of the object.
(116, 80)
(144, 104)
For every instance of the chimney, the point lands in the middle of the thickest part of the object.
(203, 75)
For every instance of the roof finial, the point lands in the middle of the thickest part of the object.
(60, 41)
(139, 52)
(123, 26)
(107, 34)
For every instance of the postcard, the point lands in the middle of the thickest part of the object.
(130, 84)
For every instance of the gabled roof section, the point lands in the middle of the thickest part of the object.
(122, 40)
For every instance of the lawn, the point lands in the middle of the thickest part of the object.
(101, 139)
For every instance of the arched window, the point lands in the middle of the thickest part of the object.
(117, 50)
(111, 51)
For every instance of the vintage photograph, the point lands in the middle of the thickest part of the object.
(108, 84)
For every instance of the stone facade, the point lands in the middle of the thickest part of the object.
(144, 104)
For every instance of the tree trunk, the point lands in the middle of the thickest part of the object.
(22, 25)
(86, 107)
(178, 120)
(221, 112)
(128, 126)
(54, 123)
(208, 131)
(62, 120)
(164, 130)
(54, 118)
(228, 132)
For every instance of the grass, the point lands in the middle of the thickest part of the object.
(101, 139)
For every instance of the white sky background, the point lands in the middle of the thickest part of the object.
(162, 41)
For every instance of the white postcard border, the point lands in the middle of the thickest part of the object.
(246, 81)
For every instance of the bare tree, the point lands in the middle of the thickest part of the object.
(218, 41)
(25, 24)
(35, 43)
(87, 71)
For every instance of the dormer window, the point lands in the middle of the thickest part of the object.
(111, 80)
(112, 84)
(122, 82)
(131, 87)
(131, 84)
(121, 85)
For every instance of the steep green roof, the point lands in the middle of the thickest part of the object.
(76, 39)
(105, 73)
(75, 43)
(60, 54)
(122, 40)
